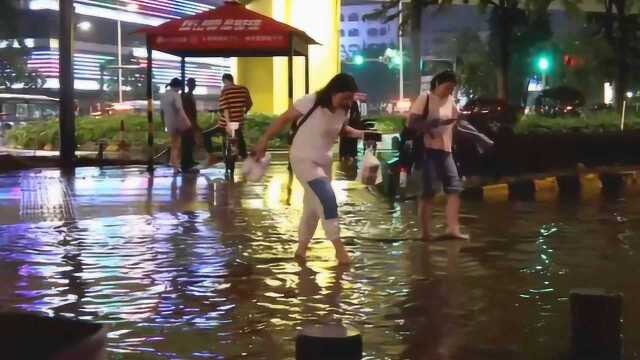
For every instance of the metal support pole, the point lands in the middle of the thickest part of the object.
(306, 74)
(183, 73)
(624, 110)
(401, 89)
(290, 70)
(150, 105)
(67, 115)
(120, 98)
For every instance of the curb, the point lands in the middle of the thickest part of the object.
(556, 186)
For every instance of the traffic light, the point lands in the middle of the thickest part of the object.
(392, 58)
(543, 63)
(396, 60)
(573, 61)
(358, 59)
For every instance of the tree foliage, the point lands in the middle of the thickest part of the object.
(411, 22)
(475, 69)
(15, 54)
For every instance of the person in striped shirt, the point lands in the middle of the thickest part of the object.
(235, 101)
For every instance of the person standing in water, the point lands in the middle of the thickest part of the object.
(434, 114)
(321, 118)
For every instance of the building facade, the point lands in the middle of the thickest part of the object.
(358, 35)
(105, 31)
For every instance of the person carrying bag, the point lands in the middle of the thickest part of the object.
(319, 120)
(434, 115)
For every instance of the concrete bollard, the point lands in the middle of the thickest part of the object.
(596, 325)
(569, 184)
(522, 190)
(474, 193)
(322, 342)
(30, 336)
(612, 183)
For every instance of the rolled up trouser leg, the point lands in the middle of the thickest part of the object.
(325, 201)
(319, 199)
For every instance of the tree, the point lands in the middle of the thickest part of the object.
(476, 72)
(15, 55)
(377, 79)
(515, 27)
(411, 19)
(508, 19)
(529, 41)
(620, 28)
(593, 63)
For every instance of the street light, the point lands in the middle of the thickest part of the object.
(84, 26)
(358, 59)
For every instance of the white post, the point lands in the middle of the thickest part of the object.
(119, 61)
(624, 108)
(401, 92)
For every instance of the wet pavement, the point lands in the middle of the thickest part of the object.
(195, 267)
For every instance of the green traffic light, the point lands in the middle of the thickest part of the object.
(358, 60)
(543, 63)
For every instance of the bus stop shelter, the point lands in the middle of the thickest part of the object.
(230, 30)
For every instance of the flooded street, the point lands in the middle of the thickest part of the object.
(194, 267)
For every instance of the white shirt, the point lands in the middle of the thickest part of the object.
(171, 103)
(316, 137)
(443, 109)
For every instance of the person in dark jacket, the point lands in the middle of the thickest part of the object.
(349, 146)
(187, 162)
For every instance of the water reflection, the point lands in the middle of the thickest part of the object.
(193, 266)
(435, 293)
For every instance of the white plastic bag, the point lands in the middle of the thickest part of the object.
(370, 173)
(253, 170)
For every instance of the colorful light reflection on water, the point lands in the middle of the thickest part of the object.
(195, 267)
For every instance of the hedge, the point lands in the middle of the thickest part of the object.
(91, 130)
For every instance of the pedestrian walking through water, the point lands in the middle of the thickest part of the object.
(320, 119)
(434, 115)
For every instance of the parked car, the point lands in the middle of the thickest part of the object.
(491, 116)
(601, 107)
(561, 101)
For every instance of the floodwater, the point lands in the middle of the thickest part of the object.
(198, 268)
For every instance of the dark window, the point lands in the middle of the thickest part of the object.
(383, 31)
(341, 17)
(353, 17)
(354, 33)
(373, 32)
(341, 33)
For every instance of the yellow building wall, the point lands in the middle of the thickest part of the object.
(267, 78)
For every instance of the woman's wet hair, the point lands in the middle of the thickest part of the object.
(338, 84)
(443, 78)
